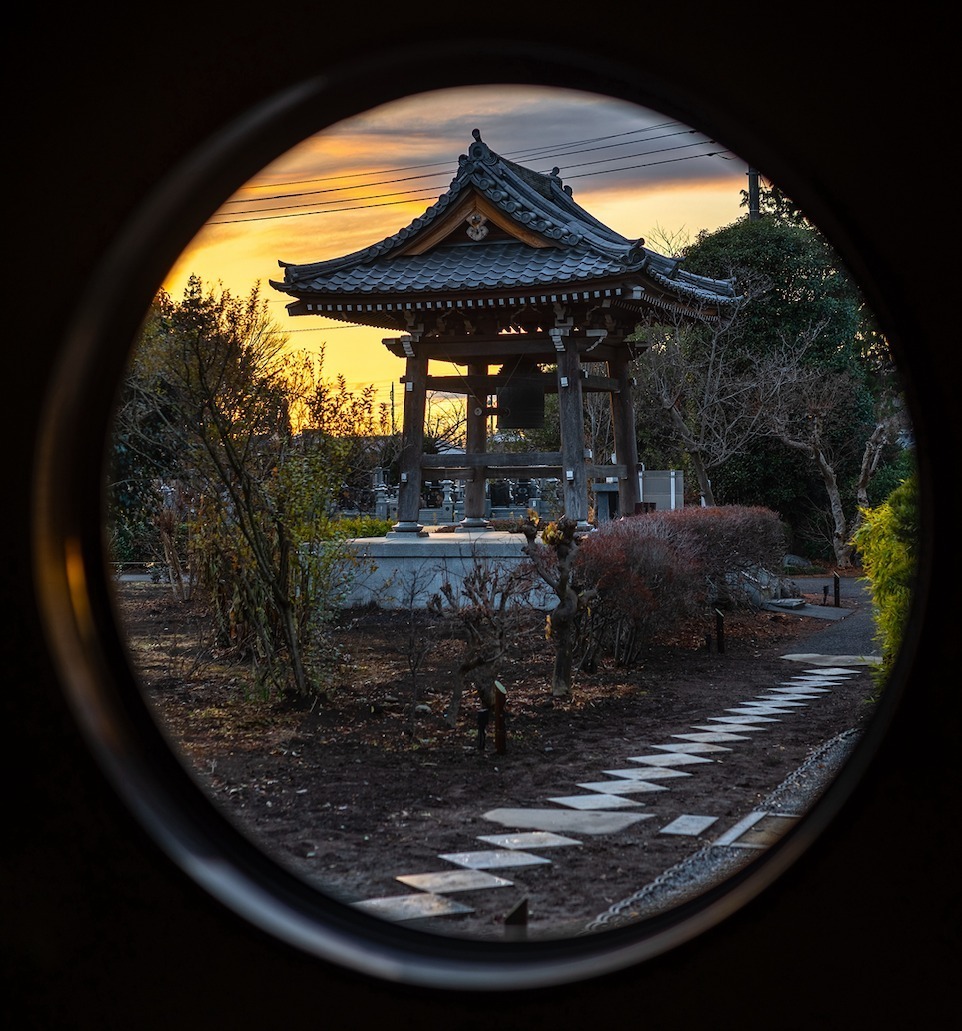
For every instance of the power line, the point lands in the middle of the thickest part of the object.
(397, 193)
(409, 198)
(648, 164)
(444, 166)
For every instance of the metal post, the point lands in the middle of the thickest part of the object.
(720, 630)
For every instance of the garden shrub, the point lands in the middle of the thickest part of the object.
(645, 582)
(354, 527)
(887, 540)
(652, 571)
(731, 544)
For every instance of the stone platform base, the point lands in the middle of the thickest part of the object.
(396, 572)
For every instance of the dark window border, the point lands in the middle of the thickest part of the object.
(75, 596)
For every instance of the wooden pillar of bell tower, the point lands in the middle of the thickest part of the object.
(475, 443)
(412, 447)
(574, 474)
(626, 443)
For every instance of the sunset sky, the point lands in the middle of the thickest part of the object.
(351, 185)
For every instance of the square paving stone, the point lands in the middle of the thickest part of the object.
(772, 704)
(493, 859)
(741, 721)
(712, 735)
(828, 662)
(648, 773)
(815, 682)
(445, 881)
(729, 724)
(749, 709)
(669, 759)
(595, 801)
(622, 787)
(412, 907)
(530, 839)
(565, 820)
(689, 825)
(692, 747)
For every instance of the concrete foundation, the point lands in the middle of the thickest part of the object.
(394, 572)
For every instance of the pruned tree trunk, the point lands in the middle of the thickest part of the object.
(559, 538)
(841, 537)
(701, 474)
(562, 633)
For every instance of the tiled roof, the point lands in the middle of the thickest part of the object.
(507, 264)
(576, 247)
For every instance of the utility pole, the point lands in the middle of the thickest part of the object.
(754, 212)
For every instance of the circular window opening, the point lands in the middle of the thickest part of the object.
(463, 605)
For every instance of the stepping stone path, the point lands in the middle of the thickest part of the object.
(610, 806)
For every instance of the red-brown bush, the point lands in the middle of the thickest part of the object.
(652, 571)
(731, 544)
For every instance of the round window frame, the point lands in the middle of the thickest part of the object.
(73, 585)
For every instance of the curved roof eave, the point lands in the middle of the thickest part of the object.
(537, 202)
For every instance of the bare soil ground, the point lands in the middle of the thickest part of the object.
(374, 784)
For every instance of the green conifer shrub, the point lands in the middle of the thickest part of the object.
(887, 540)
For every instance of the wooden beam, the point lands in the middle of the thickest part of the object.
(496, 350)
(516, 472)
(598, 385)
(501, 459)
(483, 385)
(453, 224)
(489, 384)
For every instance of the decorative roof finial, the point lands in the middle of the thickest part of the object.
(476, 133)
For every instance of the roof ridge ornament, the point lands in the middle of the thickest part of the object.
(479, 152)
(637, 256)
